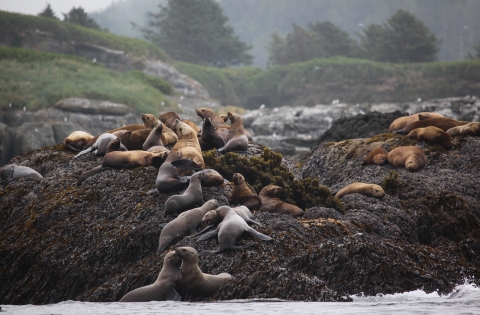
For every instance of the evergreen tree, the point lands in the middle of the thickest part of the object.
(402, 39)
(334, 41)
(48, 12)
(196, 31)
(80, 17)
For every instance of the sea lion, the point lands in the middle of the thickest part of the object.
(377, 156)
(195, 283)
(99, 148)
(442, 123)
(210, 139)
(114, 145)
(237, 137)
(12, 172)
(243, 195)
(164, 288)
(220, 125)
(154, 138)
(134, 140)
(212, 178)
(470, 129)
(271, 202)
(158, 149)
(169, 118)
(401, 122)
(229, 230)
(362, 188)
(77, 140)
(168, 180)
(192, 197)
(185, 224)
(149, 121)
(187, 144)
(120, 133)
(122, 159)
(212, 217)
(432, 135)
(191, 124)
(169, 137)
(410, 157)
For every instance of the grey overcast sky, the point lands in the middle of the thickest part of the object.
(33, 7)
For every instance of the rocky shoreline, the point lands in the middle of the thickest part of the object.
(98, 241)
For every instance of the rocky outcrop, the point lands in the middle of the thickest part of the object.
(98, 241)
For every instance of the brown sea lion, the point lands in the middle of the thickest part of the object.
(237, 137)
(210, 139)
(212, 217)
(120, 133)
(470, 129)
(168, 180)
(192, 197)
(125, 159)
(271, 203)
(134, 140)
(362, 188)
(410, 157)
(220, 125)
(77, 140)
(169, 137)
(195, 283)
(442, 123)
(185, 224)
(243, 195)
(114, 145)
(100, 146)
(401, 122)
(168, 119)
(187, 144)
(164, 288)
(12, 172)
(377, 156)
(432, 135)
(149, 121)
(229, 231)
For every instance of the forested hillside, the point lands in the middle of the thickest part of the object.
(455, 22)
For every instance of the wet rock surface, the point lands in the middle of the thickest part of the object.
(98, 241)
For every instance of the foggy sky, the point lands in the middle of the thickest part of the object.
(33, 7)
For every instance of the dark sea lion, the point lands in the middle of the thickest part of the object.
(362, 188)
(125, 159)
(195, 283)
(210, 138)
(237, 139)
(470, 129)
(192, 197)
(134, 140)
(220, 125)
(99, 148)
(410, 157)
(377, 156)
(401, 122)
(442, 123)
(185, 224)
(149, 121)
(432, 135)
(229, 231)
(77, 140)
(187, 144)
(154, 138)
(212, 217)
(12, 172)
(271, 203)
(168, 180)
(164, 288)
(243, 195)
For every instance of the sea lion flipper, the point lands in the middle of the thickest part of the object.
(83, 152)
(172, 242)
(172, 294)
(209, 235)
(208, 228)
(255, 234)
(186, 165)
(254, 222)
(89, 173)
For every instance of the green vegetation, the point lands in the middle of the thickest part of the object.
(13, 23)
(268, 169)
(319, 81)
(80, 17)
(24, 81)
(391, 183)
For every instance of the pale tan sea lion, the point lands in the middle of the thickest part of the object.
(401, 122)
(213, 218)
(410, 157)
(470, 129)
(442, 123)
(362, 188)
(77, 140)
(271, 203)
(100, 146)
(432, 135)
(187, 144)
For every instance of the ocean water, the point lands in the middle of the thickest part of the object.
(465, 299)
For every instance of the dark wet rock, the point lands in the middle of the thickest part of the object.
(98, 241)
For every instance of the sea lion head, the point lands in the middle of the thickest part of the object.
(414, 162)
(205, 112)
(224, 117)
(183, 130)
(187, 254)
(380, 159)
(376, 191)
(207, 122)
(171, 259)
(149, 121)
(211, 178)
(168, 118)
(211, 217)
(238, 179)
(77, 140)
(271, 191)
(113, 145)
(126, 135)
(233, 117)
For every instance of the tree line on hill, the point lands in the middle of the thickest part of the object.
(74, 16)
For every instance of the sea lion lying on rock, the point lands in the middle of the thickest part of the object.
(168, 180)
(185, 224)
(195, 283)
(213, 218)
(164, 288)
(362, 188)
(229, 231)
(243, 195)
(401, 122)
(432, 135)
(442, 123)
(168, 119)
(12, 172)
(377, 156)
(99, 148)
(271, 203)
(470, 129)
(410, 157)
(77, 140)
